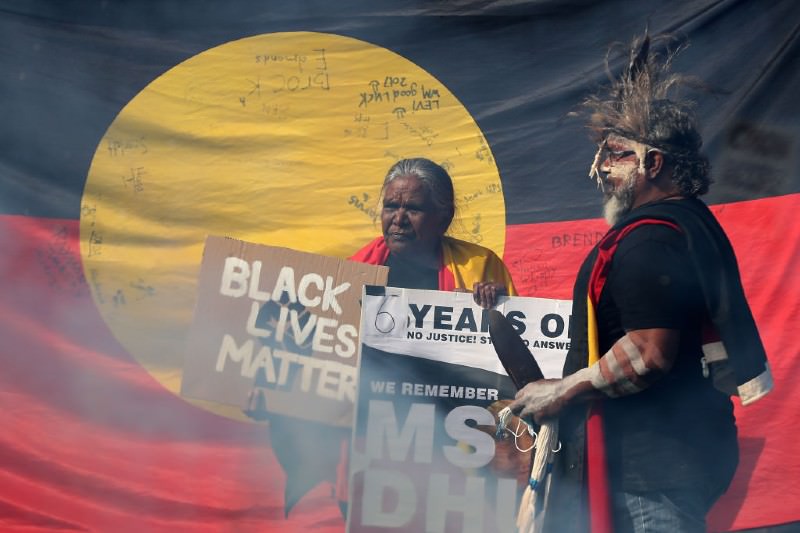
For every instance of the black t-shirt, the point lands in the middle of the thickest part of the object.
(410, 275)
(680, 431)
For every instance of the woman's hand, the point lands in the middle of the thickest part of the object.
(485, 293)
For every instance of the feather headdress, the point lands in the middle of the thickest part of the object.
(643, 105)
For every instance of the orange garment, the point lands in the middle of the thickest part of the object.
(463, 264)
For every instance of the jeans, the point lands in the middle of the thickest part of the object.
(669, 511)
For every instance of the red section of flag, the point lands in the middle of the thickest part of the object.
(92, 442)
(544, 259)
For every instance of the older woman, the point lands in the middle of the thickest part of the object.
(418, 207)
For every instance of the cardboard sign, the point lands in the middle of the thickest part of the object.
(284, 318)
(425, 454)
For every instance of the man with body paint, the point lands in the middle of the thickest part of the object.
(662, 333)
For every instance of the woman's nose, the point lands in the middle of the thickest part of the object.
(400, 216)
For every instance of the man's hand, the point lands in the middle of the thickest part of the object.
(540, 400)
(485, 293)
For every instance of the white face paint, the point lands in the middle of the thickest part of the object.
(622, 165)
(619, 196)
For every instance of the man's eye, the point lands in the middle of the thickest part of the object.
(617, 155)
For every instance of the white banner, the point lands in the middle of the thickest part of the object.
(448, 326)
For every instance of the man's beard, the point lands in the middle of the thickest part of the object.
(619, 202)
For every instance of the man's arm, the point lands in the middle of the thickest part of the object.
(633, 363)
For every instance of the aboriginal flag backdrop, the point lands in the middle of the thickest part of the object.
(130, 130)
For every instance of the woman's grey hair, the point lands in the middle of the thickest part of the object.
(434, 177)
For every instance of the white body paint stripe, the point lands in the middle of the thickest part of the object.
(634, 356)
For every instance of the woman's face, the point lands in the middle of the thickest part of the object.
(411, 223)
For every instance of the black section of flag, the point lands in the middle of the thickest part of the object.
(70, 67)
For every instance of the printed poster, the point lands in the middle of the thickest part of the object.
(425, 454)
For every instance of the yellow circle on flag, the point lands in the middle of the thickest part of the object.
(280, 139)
